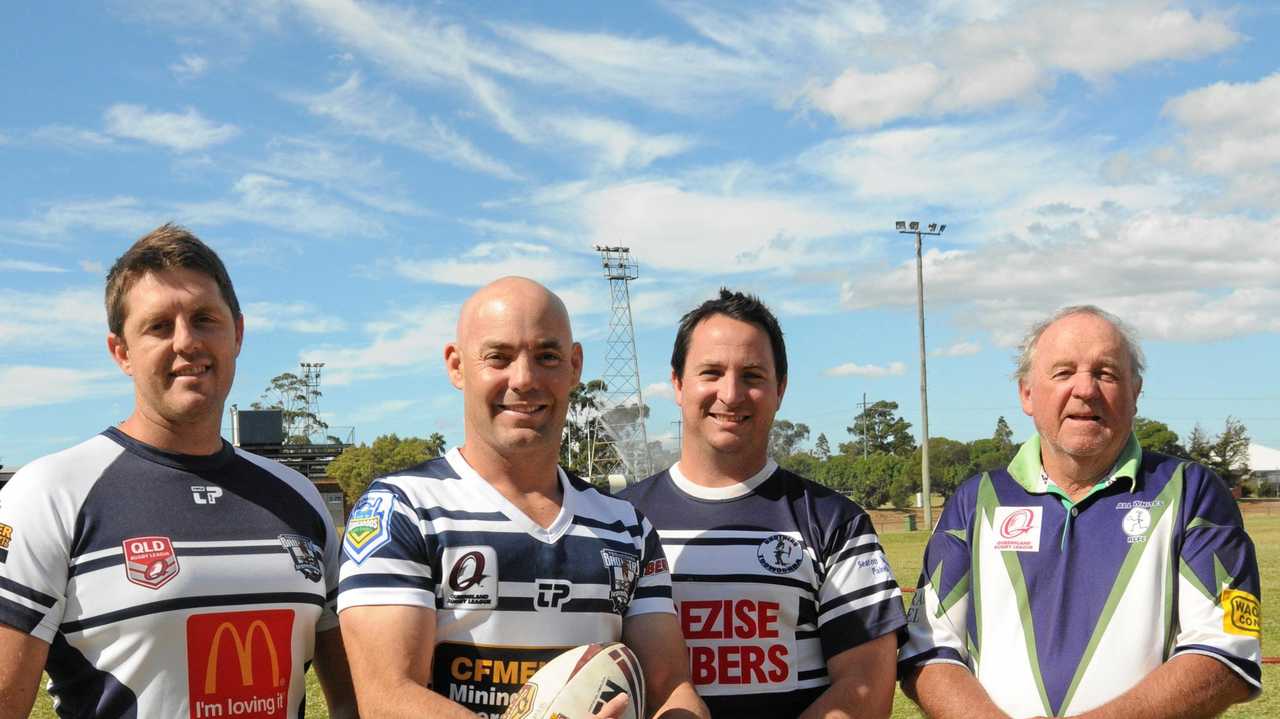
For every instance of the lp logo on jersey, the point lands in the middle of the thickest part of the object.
(552, 594)
(150, 561)
(1017, 529)
(205, 494)
(471, 577)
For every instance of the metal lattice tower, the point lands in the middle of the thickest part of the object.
(311, 379)
(622, 414)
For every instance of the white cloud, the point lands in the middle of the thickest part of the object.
(488, 261)
(849, 369)
(364, 179)
(670, 227)
(66, 318)
(1208, 277)
(959, 349)
(92, 267)
(658, 389)
(384, 117)
(28, 266)
(977, 64)
(179, 132)
(618, 145)
(1231, 127)
(117, 215)
(189, 67)
(407, 341)
(264, 200)
(292, 316)
(379, 411)
(71, 137)
(28, 386)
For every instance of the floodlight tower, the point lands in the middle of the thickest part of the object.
(913, 228)
(311, 380)
(623, 412)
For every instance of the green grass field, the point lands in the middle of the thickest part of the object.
(905, 549)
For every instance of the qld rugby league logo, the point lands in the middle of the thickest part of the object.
(150, 561)
(471, 581)
(1017, 529)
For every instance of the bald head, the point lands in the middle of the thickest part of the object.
(508, 297)
(516, 363)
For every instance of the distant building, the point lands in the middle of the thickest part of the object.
(262, 433)
(1264, 468)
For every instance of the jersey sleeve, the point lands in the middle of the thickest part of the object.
(938, 618)
(35, 535)
(859, 599)
(1219, 602)
(653, 587)
(387, 558)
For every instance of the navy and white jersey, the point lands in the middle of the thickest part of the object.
(1059, 606)
(508, 594)
(168, 585)
(771, 577)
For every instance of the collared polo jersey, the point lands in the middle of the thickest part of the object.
(1058, 607)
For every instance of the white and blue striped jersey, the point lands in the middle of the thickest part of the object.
(168, 585)
(771, 578)
(508, 594)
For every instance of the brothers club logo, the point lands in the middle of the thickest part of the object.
(305, 555)
(780, 554)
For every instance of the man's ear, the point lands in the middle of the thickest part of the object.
(239, 333)
(119, 352)
(1024, 395)
(453, 363)
(678, 387)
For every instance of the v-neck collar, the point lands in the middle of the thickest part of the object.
(551, 534)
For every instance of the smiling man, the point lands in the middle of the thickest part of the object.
(1090, 577)
(155, 570)
(466, 574)
(785, 597)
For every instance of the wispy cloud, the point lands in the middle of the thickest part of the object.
(488, 261)
(180, 132)
(28, 266)
(71, 137)
(850, 369)
(29, 386)
(384, 117)
(339, 169)
(292, 316)
(189, 67)
(265, 200)
(66, 318)
(959, 349)
(615, 145)
(408, 341)
(116, 215)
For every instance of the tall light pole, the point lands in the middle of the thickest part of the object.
(913, 228)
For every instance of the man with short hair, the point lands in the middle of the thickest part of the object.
(467, 573)
(785, 597)
(155, 570)
(1090, 577)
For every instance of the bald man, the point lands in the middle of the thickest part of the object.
(465, 574)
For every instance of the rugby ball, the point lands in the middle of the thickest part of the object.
(579, 682)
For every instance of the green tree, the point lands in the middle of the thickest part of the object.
(785, 438)
(356, 467)
(822, 448)
(1227, 454)
(582, 425)
(988, 454)
(1157, 437)
(949, 463)
(802, 463)
(878, 428)
(870, 481)
(1003, 435)
(290, 394)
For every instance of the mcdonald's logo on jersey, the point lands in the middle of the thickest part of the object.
(239, 664)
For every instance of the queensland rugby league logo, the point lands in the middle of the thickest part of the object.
(150, 561)
(471, 579)
(1017, 529)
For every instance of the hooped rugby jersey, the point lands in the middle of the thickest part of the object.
(771, 578)
(1058, 607)
(508, 594)
(168, 585)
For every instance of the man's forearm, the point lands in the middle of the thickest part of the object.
(851, 699)
(683, 703)
(1185, 687)
(949, 691)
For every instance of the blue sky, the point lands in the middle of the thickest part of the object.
(362, 167)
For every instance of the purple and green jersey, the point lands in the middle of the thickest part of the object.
(1058, 606)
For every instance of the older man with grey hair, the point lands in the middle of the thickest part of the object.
(1089, 577)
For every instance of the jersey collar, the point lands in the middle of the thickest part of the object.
(1028, 471)
(733, 491)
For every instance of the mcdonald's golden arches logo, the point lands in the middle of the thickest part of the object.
(239, 664)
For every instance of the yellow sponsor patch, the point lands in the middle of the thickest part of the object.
(1241, 613)
(6, 535)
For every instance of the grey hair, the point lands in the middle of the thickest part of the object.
(1027, 349)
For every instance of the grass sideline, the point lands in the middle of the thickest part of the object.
(905, 549)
